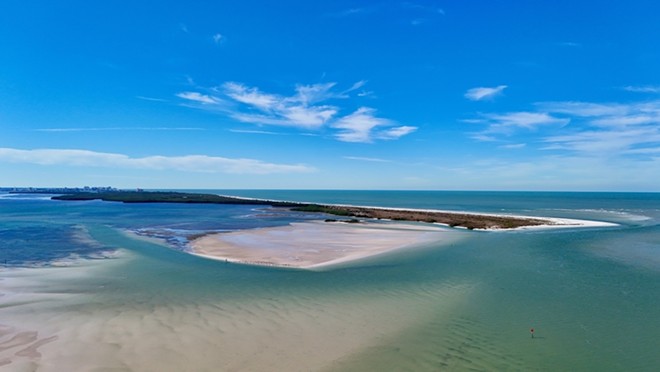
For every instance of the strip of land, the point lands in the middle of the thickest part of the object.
(453, 219)
(315, 244)
(312, 245)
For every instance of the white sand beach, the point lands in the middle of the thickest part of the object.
(313, 244)
(316, 244)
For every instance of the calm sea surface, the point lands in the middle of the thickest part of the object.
(98, 298)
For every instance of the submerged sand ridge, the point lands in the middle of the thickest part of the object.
(313, 244)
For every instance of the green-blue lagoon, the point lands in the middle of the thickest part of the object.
(103, 286)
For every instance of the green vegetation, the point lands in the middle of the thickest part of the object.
(167, 197)
(316, 208)
(470, 221)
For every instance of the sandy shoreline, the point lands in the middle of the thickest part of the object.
(457, 219)
(559, 223)
(311, 245)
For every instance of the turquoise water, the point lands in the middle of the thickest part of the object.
(591, 294)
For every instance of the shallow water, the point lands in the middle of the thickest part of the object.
(100, 299)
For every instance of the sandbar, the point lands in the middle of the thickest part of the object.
(315, 244)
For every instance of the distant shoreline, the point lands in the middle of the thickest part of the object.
(349, 232)
(452, 219)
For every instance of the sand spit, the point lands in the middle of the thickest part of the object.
(457, 219)
(310, 245)
(559, 223)
(313, 244)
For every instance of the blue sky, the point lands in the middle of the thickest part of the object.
(447, 95)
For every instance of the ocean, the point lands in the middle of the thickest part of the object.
(77, 292)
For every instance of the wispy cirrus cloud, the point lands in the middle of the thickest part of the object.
(484, 93)
(352, 12)
(584, 109)
(643, 89)
(422, 13)
(299, 110)
(510, 123)
(152, 99)
(604, 142)
(423, 7)
(417, 13)
(514, 146)
(527, 120)
(102, 129)
(187, 163)
(197, 97)
(396, 132)
(368, 159)
(249, 131)
(610, 129)
(308, 109)
(358, 126)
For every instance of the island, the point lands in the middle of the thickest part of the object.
(341, 234)
(453, 219)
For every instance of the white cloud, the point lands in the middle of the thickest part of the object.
(362, 158)
(352, 11)
(187, 163)
(571, 44)
(356, 85)
(484, 93)
(527, 120)
(583, 109)
(606, 130)
(422, 7)
(625, 121)
(604, 142)
(643, 89)
(247, 131)
(199, 98)
(218, 38)
(483, 137)
(294, 111)
(609, 114)
(151, 99)
(310, 94)
(612, 143)
(508, 124)
(308, 117)
(303, 110)
(358, 126)
(514, 146)
(251, 96)
(645, 150)
(396, 132)
(117, 129)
